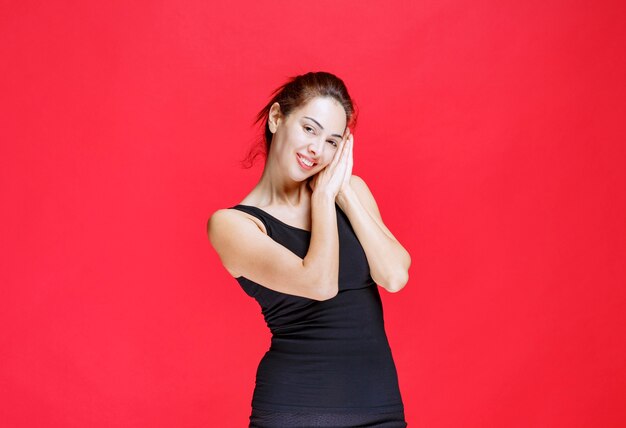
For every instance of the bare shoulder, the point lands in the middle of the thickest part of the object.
(364, 194)
(366, 198)
(219, 218)
(224, 220)
(219, 224)
(226, 227)
(358, 183)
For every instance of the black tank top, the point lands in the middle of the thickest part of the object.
(325, 356)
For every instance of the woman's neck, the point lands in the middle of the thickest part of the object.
(276, 189)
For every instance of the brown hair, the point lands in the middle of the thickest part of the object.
(297, 91)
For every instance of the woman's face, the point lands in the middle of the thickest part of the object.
(309, 137)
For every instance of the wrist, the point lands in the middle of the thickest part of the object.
(320, 196)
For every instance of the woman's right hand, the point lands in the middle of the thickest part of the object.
(330, 179)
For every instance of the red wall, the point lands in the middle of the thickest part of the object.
(491, 133)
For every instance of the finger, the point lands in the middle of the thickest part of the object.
(337, 157)
(351, 155)
(334, 160)
(341, 166)
(349, 161)
(346, 150)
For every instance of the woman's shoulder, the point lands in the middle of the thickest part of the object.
(358, 182)
(364, 194)
(225, 220)
(227, 229)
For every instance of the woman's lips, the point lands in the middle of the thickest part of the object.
(302, 164)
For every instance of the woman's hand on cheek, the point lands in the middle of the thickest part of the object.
(332, 178)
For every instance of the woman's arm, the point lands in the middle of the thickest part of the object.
(247, 251)
(388, 260)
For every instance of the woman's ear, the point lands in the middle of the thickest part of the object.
(274, 117)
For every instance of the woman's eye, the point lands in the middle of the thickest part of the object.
(334, 143)
(307, 128)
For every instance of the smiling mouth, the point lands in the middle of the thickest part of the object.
(305, 163)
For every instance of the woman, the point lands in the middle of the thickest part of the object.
(308, 243)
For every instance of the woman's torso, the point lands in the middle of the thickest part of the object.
(328, 356)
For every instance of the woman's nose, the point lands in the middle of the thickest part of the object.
(316, 148)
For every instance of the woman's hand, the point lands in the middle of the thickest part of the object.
(336, 175)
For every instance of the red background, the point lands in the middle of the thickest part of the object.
(491, 134)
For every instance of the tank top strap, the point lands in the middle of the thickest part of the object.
(255, 212)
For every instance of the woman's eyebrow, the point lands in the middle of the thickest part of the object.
(321, 127)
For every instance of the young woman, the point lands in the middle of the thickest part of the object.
(308, 243)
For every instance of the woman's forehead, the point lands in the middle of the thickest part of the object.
(327, 112)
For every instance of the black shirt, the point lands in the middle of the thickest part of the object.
(325, 356)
